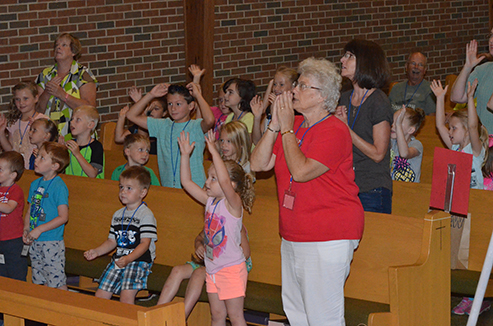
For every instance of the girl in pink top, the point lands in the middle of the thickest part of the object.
(227, 191)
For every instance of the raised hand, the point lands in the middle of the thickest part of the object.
(159, 90)
(285, 112)
(438, 90)
(184, 142)
(257, 106)
(196, 71)
(472, 59)
(123, 112)
(194, 89)
(210, 139)
(471, 88)
(135, 93)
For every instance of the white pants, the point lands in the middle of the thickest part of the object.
(313, 277)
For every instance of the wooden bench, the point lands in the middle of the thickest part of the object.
(463, 281)
(20, 301)
(376, 284)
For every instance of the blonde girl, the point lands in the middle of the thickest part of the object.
(406, 152)
(235, 144)
(282, 82)
(227, 191)
(41, 131)
(465, 132)
(15, 125)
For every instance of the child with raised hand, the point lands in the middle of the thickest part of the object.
(11, 220)
(282, 82)
(14, 127)
(155, 109)
(406, 152)
(194, 270)
(180, 106)
(46, 217)
(235, 144)
(41, 131)
(132, 233)
(86, 153)
(465, 134)
(136, 150)
(238, 95)
(221, 111)
(227, 191)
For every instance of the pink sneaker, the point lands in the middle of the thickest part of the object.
(463, 307)
(485, 306)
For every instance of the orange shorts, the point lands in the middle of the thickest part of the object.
(229, 282)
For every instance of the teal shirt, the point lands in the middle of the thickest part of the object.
(116, 174)
(484, 74)
(168, 153)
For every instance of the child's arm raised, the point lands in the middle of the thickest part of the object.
(439, 91)
(191, 187)
(404, 150)
(88, 169)
(61, 219)
(196, 72)
(233, 200)
(4, 141)
(103, 249)
(472, 119)
(208, 119)
(135, 113)
(120, 132)
(136, 253)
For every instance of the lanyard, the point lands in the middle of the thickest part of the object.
(218, 122)
(131, 219)
(37, 208)
(359, 108)
(405, 93)
(83, 155)
(303, 137)
(239, 117)
(210, 219)
(22, 134)
(174, 163)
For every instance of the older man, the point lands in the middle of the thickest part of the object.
(415, 92)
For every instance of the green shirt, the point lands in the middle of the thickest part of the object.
(116, 174)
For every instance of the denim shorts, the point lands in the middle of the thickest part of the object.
(377, 200)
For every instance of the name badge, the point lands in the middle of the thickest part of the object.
(25, 250)
(209, 252)
(288, 200)
(2, 259)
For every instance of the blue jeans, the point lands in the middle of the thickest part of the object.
(377, 200)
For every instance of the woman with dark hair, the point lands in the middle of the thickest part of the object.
(237, 95)
(66, 85)
(367, 111)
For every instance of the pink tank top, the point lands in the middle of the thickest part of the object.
(222, 237)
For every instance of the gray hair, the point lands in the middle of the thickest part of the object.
(328, 77)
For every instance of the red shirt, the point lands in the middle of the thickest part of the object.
(12, 225)
(327, 207)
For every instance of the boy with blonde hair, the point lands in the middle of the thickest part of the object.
(132, 233)
(86, 153)
(46, 217)
(136, 148)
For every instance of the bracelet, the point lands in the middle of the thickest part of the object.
(274, 131)
(66, 96)
(287, 132)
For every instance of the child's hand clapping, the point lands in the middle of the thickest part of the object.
(438, 90)
(184, 142)
(257, 106)
(73, 147)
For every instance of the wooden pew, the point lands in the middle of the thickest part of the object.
(418, 195)
(21, 300)
(376, 282)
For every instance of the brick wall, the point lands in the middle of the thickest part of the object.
(140, 42)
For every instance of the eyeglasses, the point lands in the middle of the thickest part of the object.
(304, 87)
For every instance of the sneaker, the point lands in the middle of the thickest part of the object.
(485, 306)
(463, 306)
